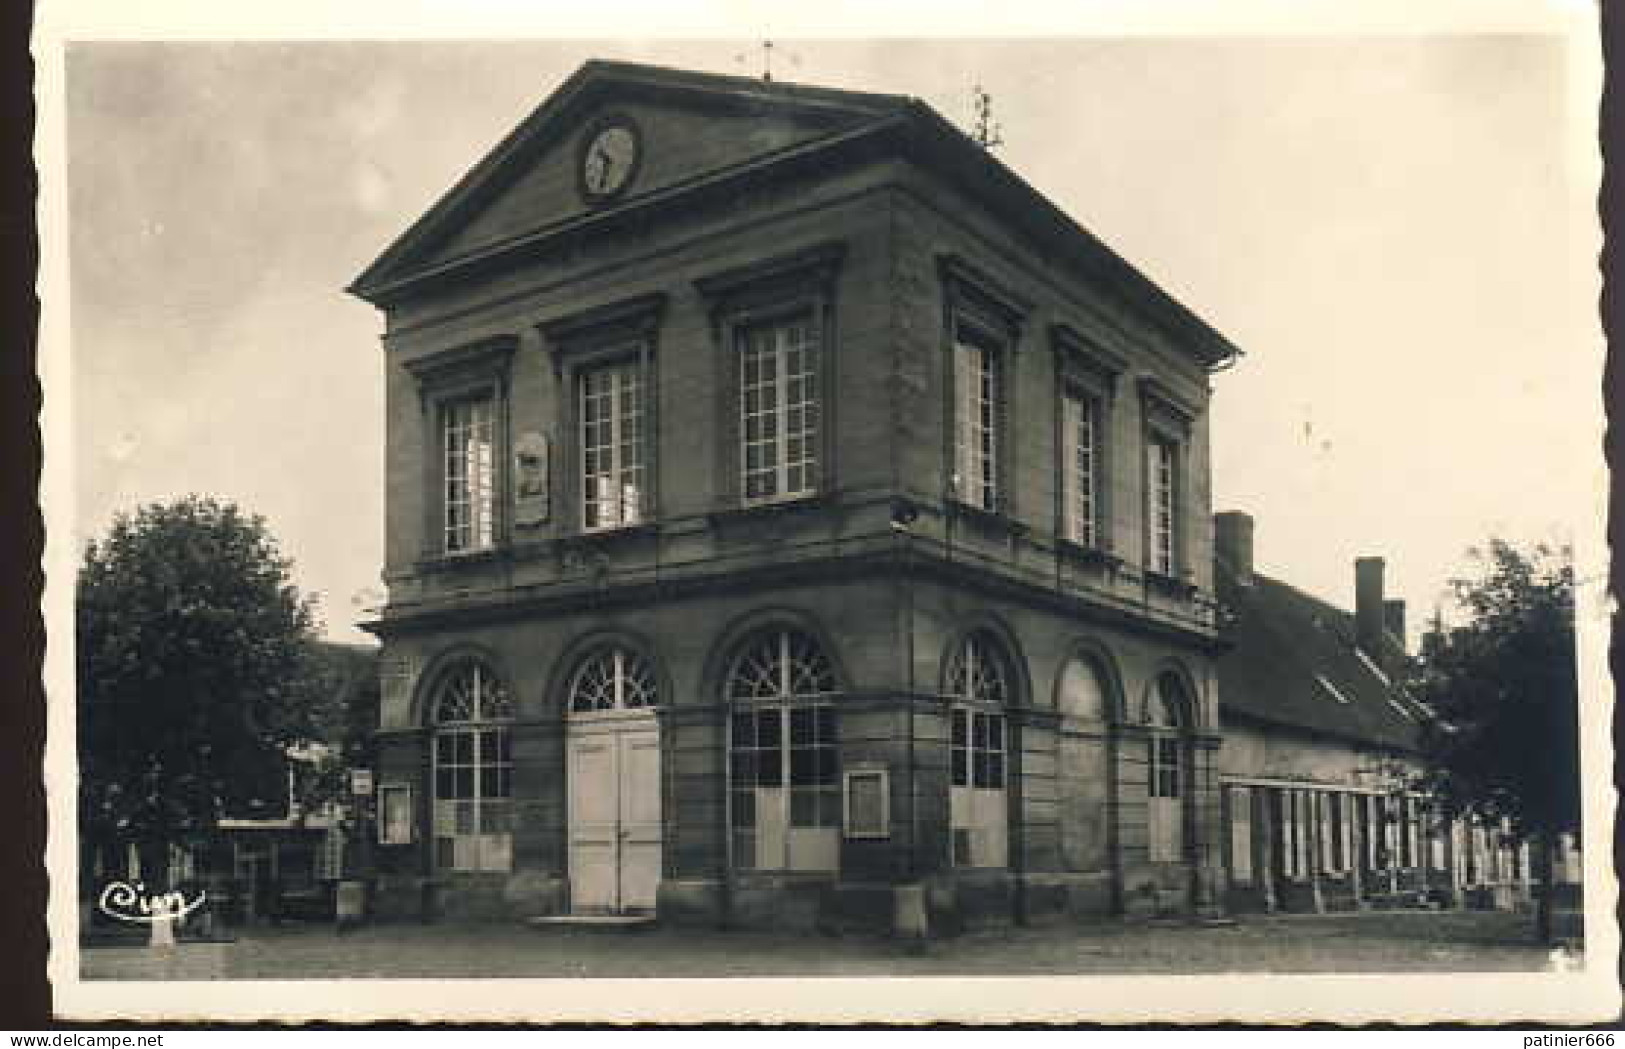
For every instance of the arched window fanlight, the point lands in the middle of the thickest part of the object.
(472, 693)
(613, 679)
(976, 673)
(781, 664)
(1166, 707)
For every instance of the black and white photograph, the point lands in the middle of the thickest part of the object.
(786, 518)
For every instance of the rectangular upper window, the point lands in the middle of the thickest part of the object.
(468, 474)
(610, 412)
(779, 408)
(1162, 475)
(977, 393)
(1080, 466)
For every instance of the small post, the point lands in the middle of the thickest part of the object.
(1317, 851)
(162, 925)
(1269, 804)
(909, 920)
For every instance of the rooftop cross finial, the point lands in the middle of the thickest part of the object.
(987, 131)
(768, 48)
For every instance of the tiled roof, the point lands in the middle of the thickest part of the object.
(1294, 663)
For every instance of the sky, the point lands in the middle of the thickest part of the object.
(1398, 231)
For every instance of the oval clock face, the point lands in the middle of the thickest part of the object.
(607, 165)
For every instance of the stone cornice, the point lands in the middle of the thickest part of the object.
(1076, 352)
(634, 317)
(882, 557)
(816, 265)
(970, 285)
(1154, 391)
(488, 356)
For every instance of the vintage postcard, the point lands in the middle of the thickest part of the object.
(629, 517)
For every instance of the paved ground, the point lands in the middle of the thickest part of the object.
(1401, 942)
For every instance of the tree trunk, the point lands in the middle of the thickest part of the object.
(1544, 889)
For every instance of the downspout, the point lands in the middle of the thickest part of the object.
(908, 654)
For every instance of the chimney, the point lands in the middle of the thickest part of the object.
(1233, 542)
(1393, 617)
(1369, 610)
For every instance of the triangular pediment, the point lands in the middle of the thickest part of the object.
(688, 127)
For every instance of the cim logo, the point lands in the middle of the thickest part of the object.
(130, 903)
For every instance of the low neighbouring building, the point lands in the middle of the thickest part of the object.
(1320, 740)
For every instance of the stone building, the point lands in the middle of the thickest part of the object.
(1320, 743)
(793, 518)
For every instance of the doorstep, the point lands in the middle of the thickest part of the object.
(594, 922)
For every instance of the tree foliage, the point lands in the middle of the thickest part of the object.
(1503, 686)
(194, 673)
(346, 718)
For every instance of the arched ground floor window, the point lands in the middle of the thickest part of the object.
(977, 682)
(1167, 771)
(473, 771)
(784, 794)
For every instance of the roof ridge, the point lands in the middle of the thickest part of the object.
(1305, 595)
(1302, 637)
(792, 89)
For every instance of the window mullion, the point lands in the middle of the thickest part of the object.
(617, 498)
(784, 664)
(781, 391)
(784, 770)
(583, 396)
(988, 482)
(476, 749)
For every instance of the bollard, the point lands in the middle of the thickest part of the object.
(162, 937)
(909, 921)
(348, 906)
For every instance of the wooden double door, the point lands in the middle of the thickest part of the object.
(615, 833)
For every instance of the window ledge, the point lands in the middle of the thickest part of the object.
(768, 510)
(1170, 584)
(608, 536)
(790, 875)
(1089, 555)
(450, 562)
(991, 519)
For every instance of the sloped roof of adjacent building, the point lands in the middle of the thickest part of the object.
(830, 125)
(1294, 663)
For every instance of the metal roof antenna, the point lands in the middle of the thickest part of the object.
(768, 48)
(987, 133)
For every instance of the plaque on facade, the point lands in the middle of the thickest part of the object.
(530, 470)
(395, 814)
